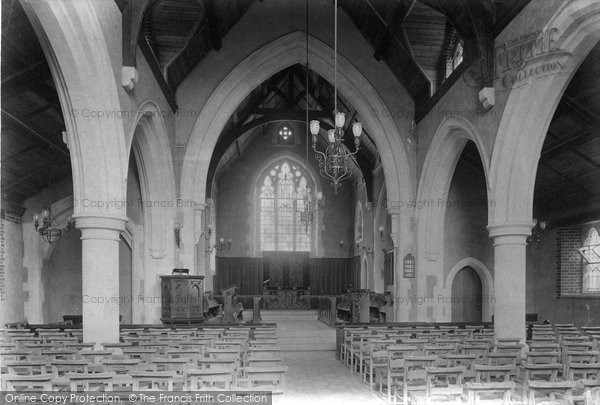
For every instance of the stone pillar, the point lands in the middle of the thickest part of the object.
(100, 277)
(402, 236)
(510, 278)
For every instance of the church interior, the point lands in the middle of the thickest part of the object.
(302, 201)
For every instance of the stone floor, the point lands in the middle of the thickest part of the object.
(318, 378)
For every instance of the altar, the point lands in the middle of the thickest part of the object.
(286, 280)
(287, 298)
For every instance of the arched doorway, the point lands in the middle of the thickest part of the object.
(467, 292)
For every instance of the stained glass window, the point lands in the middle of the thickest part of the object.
(591, 271)
(282, 194)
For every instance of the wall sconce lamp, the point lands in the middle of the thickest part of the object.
(537, 230)
(369, 250)
(221, 246)
(381, 230)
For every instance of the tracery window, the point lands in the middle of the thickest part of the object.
(282, 193)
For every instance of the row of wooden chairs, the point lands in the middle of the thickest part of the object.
(152, 359)
(491, 366)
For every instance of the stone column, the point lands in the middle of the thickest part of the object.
(509, 278)
(404, 311)
(100, 277)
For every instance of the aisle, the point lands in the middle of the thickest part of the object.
(314, 375)
(318, 378)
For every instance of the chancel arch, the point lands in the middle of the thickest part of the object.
(258, 67)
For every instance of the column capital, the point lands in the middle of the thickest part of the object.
(98, 227)
(510, 234)
(395, 239)
(201, 207)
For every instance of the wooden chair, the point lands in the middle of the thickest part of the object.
(26, 367)
(584, 357)
(351, 345)
(231, 365)
(191, 356)
(468, 361)
(549, 370)
(266, 351)
(496, 392)
(390, 377)
(61, 367)
(378, 359)
(265, 378)
(263, 342)
(542, 358)
(225, 354)
(144, 354)
(415, 376)
(264, 362)
(60, 354)
(95, 356)
(17, 355)
(490, 374)
(552, 390)
(38, 382)
(153, 381)
(543, 347)
(444, 384)
(584, 371)
(437, 349)
(121, 366)
(481, 351)
(90, 381)
(81, 346)
(508, 341)
(208, 379)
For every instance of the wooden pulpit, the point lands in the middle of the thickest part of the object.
(182, 298)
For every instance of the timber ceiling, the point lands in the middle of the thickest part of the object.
(407, 35)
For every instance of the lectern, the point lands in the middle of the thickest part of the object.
(182, 298)
(229, 305)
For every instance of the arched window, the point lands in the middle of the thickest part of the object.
(591, 270)
(452, 53)
(282, 193)
(358, 223)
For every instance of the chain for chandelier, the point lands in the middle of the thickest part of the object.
(335, 163)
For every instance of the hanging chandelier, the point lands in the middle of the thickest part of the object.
(335, 163)
(48, 232)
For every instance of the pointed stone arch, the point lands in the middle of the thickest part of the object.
(529, 111)
(487, 283)
(258, 67)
